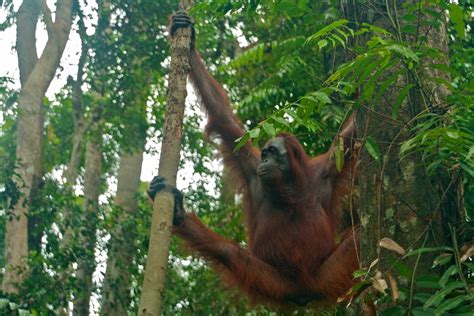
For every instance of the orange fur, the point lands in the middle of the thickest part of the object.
(292, 256)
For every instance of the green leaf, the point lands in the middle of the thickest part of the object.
(390, 80)
(419, 311)
(443, 67)
(450, 304)
(269, 129)
(325, 31)
(409, 17)
(372, 147)
(442, 259)
(421, 297)
(393, 311)
(399, 100)
(254, 133)
(404, 51)
(322, 43)
(289, 8)
(449, 272)
(359, 273)
(339, 39)
(456, 15)
(428, 282)
(452, 134)
(403, 269)
(281, 120)
(428, 249)
(241, 141)
(318, 96)
(3, 303)
(441, 294)
(376, 29)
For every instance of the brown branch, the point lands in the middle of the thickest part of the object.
(160, 232)
(47, 17)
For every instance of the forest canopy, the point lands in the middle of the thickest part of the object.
(83, 110)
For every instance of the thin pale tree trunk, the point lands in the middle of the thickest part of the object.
(30, 128)
(160, 234)
(116, 298)
(87, 235)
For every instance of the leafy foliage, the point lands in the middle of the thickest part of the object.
(298, 66)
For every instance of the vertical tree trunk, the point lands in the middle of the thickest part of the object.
(397, 197)
(27, 20)
(30, 123)
(87, 235)
(160, 233)
(117, 277)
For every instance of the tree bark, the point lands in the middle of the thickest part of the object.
(35, 81)
(27, 19)
(160, 233)
(397, 197)
(87, 235)
(117, 284)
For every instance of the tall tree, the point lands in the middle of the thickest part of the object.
(87, 235)
(160, 234)
(117, 280)
(402, 206)
(36, 76)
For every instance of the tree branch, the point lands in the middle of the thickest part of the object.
(47, 17)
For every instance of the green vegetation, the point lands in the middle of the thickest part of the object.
(303, 66)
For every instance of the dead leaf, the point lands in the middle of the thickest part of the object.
(392, 282)
(467, 253)
(379, 283)
(391, 245)
(373, 264)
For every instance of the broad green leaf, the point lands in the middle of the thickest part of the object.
(393, 311)
(421, 297)
(400, 98)
(254, 133)
(281, 120)
(442, 259)
(409, 17)
(428, 281)
(428, 249)
(449, 272)
(403, 269)
(269, 129)
(452, 134)
(372, 147)
(289, 8)
(318, 96)
(366, 72)
(359, 273)
(241, 141)
(3, 303)
(339, 39)
(404, 51)
(451, 303)
(386, 84)
(420, 311)
(325, 31)
(456, 15)
(441, 294)
(322, 43)
(376, 29)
